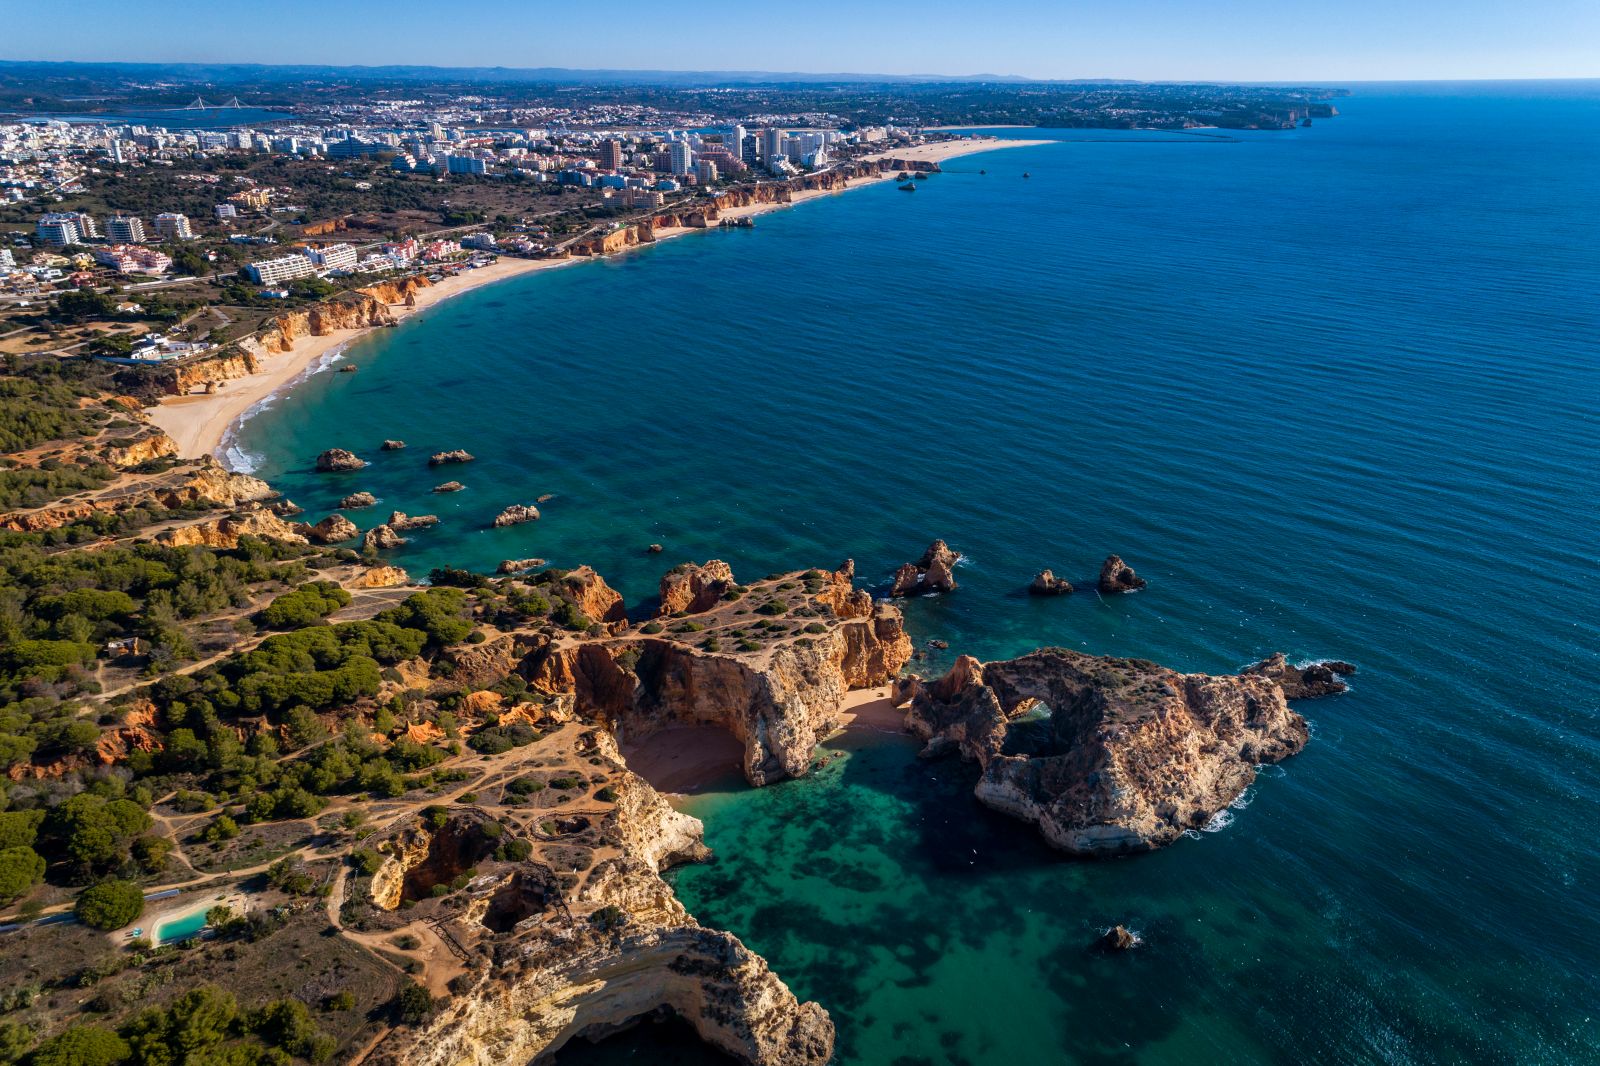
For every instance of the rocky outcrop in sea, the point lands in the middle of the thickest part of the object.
(1118, 576)
(1136, 754)
(934, 572)
(336, 460)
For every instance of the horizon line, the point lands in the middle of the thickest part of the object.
(604, 73)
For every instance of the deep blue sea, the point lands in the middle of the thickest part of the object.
(1333, 391)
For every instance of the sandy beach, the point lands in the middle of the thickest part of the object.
(685, 760)
(201, 423)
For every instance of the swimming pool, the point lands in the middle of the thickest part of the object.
(182, 927)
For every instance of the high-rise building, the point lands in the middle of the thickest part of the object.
(61, 228)
(772, 145)
(733, 141)
(682, 157)
(705, 172)
(611, 154)
(174, 227)
(125, 229)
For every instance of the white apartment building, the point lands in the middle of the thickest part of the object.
(125, 229)
(174, 226)
(283, 268)
(334, 257)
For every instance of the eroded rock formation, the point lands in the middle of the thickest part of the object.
(588, 958)
(331, 530)
(934, 572)
(456, 455)
(336, 460)
(1136, 753)
(381, 537)
(779, 700)
(694, 587)
(149, 446)
(449, 486)
(357, 500)
(225, 532)
(1304, 682)
(1047, 584)
(1118, 576)
(516, 514)
(401, 521)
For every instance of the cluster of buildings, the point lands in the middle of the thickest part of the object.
(57, 229)
(343, 259)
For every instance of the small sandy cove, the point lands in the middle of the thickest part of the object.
(200, 423)
(685, 760)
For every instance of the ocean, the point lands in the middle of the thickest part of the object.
(1333, 391)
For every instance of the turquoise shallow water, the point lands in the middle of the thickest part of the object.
(1333, 391)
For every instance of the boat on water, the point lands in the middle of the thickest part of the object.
(1026, 174)
(983, 172)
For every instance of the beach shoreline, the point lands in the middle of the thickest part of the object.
(203, 424)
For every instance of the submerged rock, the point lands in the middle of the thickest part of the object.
(1117, 938)
(380, 537)
(449, 486)
(331, 530)
(1118, 576)
(459, 455)
(335, 460)
(357, 499)
(1304, 682)
(934, 572)
(1047, 584)
(516, 514)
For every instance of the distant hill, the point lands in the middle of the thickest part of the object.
(261, 73)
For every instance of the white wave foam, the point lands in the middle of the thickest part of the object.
(1219, 821)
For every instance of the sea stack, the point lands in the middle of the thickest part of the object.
(458, 455)
(516, 514)
(336, 460)
(402, 521)
(379, 537)
(934, 572)
(1118, 576)
(1047, 584)
(393, 445)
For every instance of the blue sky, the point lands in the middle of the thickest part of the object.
(1245, 40)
